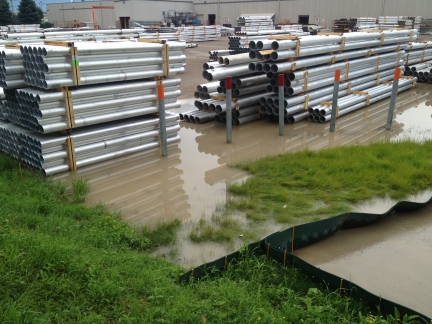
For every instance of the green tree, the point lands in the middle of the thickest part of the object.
(28, 12)
(40, 12)
(5, 13)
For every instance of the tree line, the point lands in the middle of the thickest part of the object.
(28, 13)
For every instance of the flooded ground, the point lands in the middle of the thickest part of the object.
(391, 258)
(192, 181)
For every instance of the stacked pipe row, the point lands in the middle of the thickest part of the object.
(32, 37)
(422, 71)
(315, 83)
(200, 33)
(46, 112)
(91, 145)
(363, 23)
(418, 53)
(348, 103)
(51, 67)
(389, 22)
(11, 69)
(296, 107)
(23, 28)
(254, 23)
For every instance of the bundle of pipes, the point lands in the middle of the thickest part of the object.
(254, 23)
(169, 37)
(316, 82)
(200, 33)
(348, 103)
(51, 67)
(363, 23)
(23, 28)
(46, 112)
(11, 69)
(295, 108)
(418, 52)
(348, 43)
(80, 35)
(248, 90)
(214, 55)
(52, 154)
(389, 22)
(422, 71)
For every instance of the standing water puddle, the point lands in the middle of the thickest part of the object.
(192, 181)
(391, 258)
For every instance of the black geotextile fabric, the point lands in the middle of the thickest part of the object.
(279, 246)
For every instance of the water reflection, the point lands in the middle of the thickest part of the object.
(144, 187)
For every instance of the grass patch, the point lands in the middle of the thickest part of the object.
(328, 182)
(62, 262)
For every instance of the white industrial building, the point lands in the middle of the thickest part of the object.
(211, 12)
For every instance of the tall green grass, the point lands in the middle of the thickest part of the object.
(62, 262)
(329, 182)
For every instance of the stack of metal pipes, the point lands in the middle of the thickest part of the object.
(422, 71)
(210, 99)
(389, 22)
(91, 145)
(363, 23)
(214, 55)
(23, 28)
(418, 52)
(417, 22)
(171, 37)
(296, 107)
(254, 23)
(46, 112)
(11, 69)
(50, 67)
(200, 33)
(87, 35)
(348, 103)
(315, 82)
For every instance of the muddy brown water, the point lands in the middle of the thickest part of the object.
(192, 181)
(391, 258)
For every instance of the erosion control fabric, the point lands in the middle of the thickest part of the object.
(280, 246)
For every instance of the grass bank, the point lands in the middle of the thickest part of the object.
(311, 185)
(61, 262)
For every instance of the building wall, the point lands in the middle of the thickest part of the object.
(326, 10)
(150, 10)
(62, 13)
(228, 10)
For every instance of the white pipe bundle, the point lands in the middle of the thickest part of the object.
(51, 67)
(350, 102)
(91, 145)
(200, 33)
(11, 69)
(47, 112)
